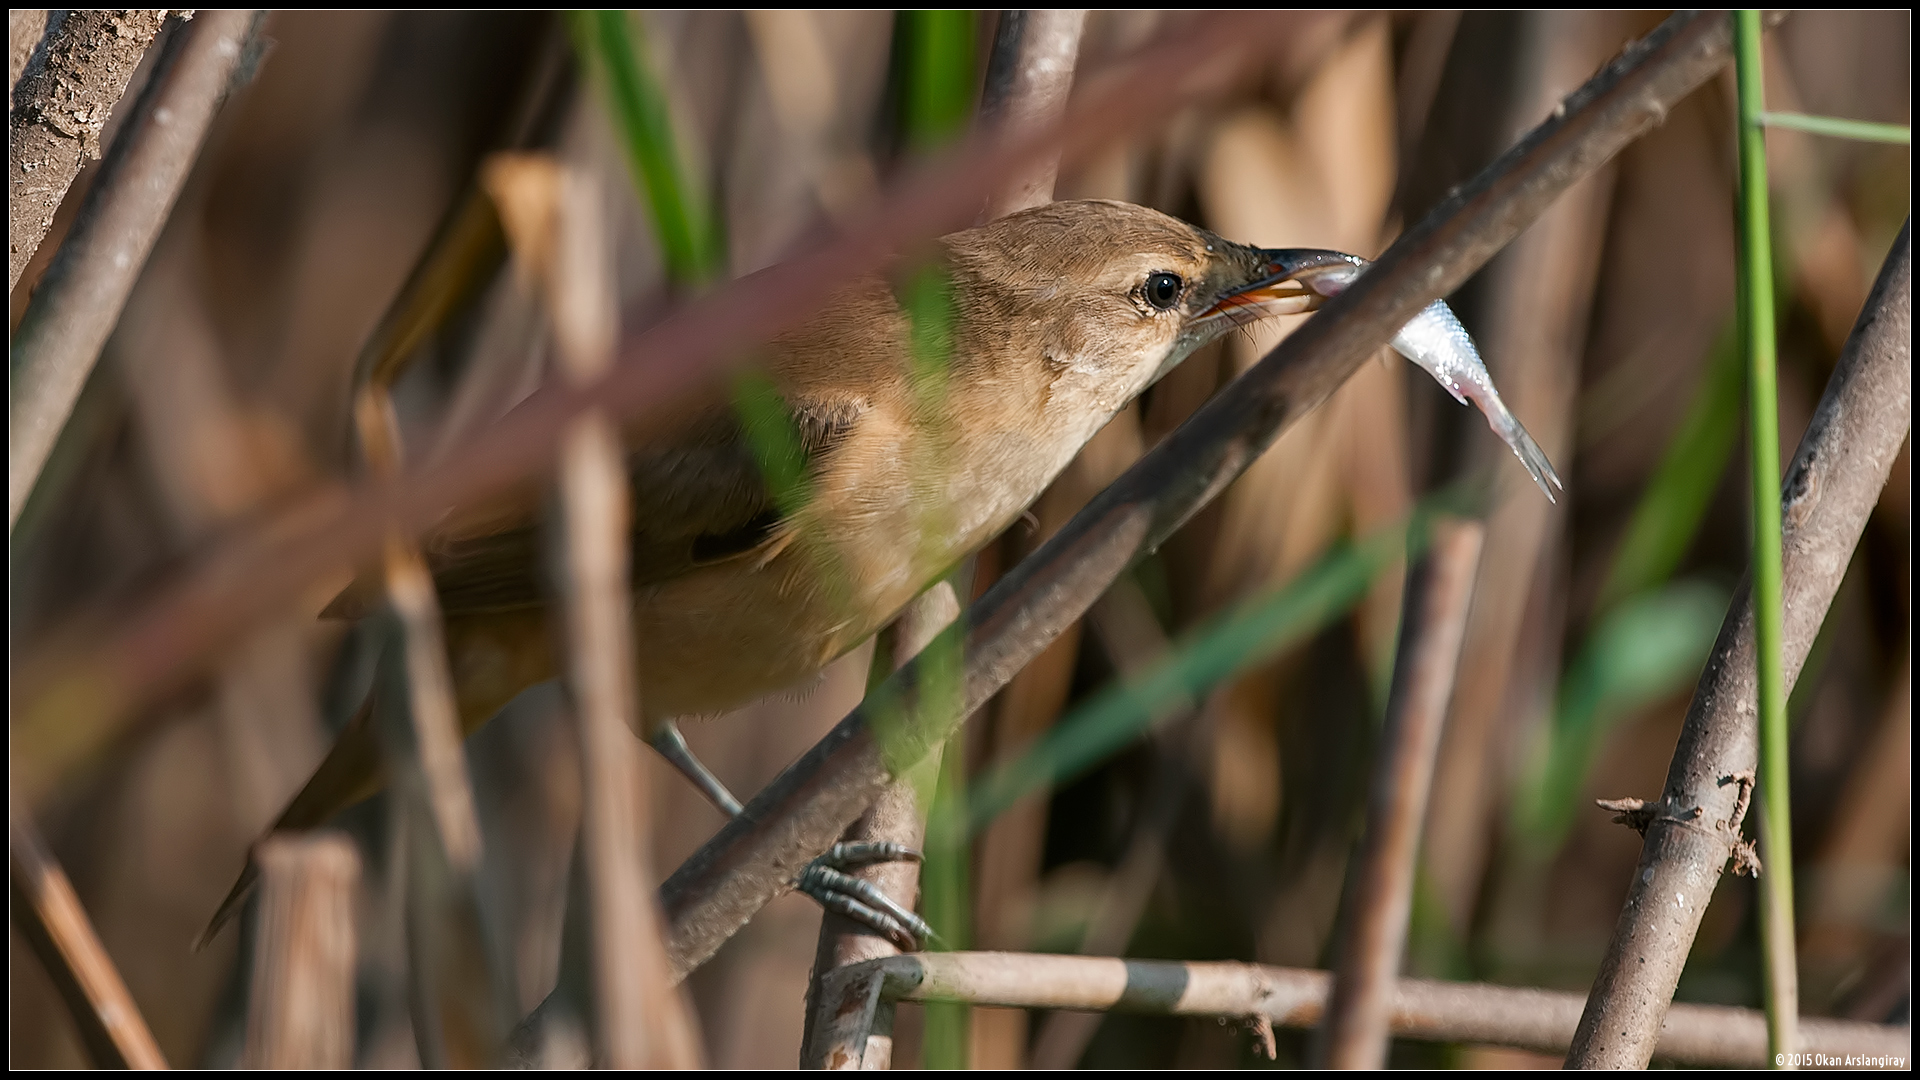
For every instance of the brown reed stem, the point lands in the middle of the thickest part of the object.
(1433, 624)
(301, 1015)
(1028, 75)
(555, 218)
(49, 916)
(430, 695)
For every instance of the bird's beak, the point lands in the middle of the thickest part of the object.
(1297, 280)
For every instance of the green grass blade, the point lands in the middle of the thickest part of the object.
(1676, 499)
(936, 53)
(1251, 634)
(1835, 127)
(1756, 286)
(689, 242)
(1644, 649)
(937, 87)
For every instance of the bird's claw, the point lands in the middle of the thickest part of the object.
(825, 879)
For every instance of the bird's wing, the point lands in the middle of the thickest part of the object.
(696, 500)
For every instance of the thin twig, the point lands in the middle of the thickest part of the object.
(1290, 997)
(50, 917)
(302, 1012)
(1433, 624)
(79, 301)
(86, 686)
(797, 816)
(61, 101)
(1834, 482)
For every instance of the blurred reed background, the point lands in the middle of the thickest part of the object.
(224, 392)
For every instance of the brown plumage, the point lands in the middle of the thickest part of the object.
(1060, 315)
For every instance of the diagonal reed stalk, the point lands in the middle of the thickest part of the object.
(47, 913)
(1763, 443)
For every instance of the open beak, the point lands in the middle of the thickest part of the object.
(1298, 280)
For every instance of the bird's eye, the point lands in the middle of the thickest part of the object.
(1162, 289)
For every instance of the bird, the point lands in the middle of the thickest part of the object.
(758, 561)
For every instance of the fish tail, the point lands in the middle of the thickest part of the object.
(1535, 459)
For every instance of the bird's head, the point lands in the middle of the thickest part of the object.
(1117, 294)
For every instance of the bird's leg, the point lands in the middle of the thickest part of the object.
(825, 878)
(673, 746)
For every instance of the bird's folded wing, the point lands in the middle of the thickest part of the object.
(698, 500)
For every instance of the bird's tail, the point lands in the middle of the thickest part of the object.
(351, 772)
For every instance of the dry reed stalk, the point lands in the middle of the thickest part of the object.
(427, 759)
(555, 220)
(301, 1015)
(430, 695)
(1694, 829)
(1428, 1009)
(1028, 75)
(49, 916)
(1439, 588)
(79, 299)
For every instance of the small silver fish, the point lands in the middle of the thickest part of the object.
(1433, 339)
